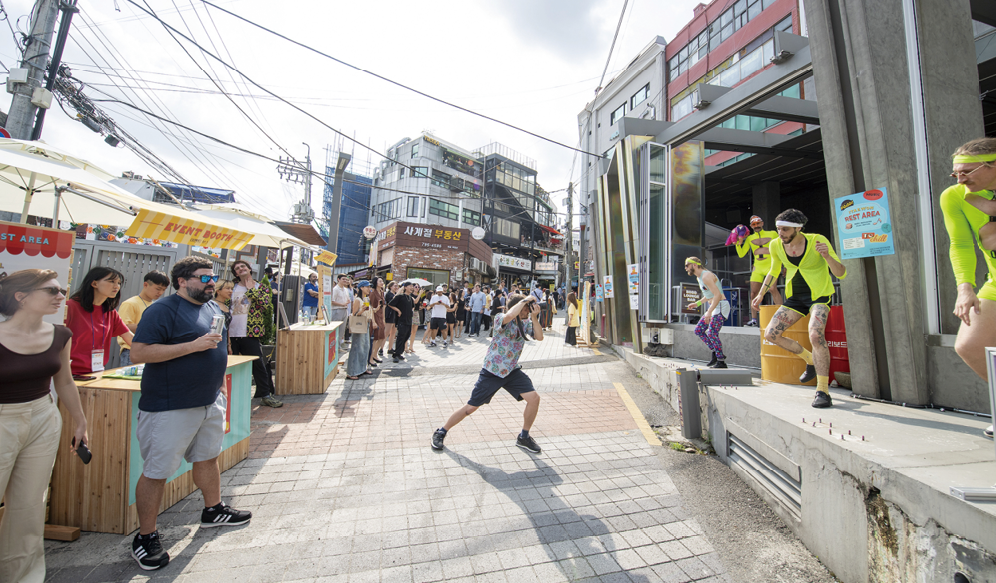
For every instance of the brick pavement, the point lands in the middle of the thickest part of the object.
(344, 488)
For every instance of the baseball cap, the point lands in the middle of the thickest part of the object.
(363, 283)
(439, 288)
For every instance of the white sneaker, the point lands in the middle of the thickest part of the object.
(988, 432)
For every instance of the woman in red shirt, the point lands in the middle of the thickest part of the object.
(91, 316)
(33, 352)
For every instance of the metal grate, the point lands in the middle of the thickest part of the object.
(784, 488)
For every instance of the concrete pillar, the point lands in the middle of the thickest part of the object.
(866, 109)
(767, 202)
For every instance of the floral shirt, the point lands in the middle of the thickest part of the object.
(506, 346)
(249, 311)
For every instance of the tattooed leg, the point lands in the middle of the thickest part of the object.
(817, 325)
(780, 322)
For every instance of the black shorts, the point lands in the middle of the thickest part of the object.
(450, 318)
(438, 323)
(517, 383)
(803, 304)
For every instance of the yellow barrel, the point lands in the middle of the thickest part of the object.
(777, 364)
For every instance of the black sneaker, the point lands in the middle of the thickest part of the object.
(719, 364)
(527, 443)
(712, 362)
(223, 515)
(809, 375)
(396, 361)
(437, 438)
(149, 552)
(822, 400)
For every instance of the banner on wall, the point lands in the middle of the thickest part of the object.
(863, 225)
(325, 288)
(585, 321)
(599, 294)
(633, 279)
(607, 287)
(27, 247)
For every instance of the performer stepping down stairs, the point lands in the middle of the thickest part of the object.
(711, 322)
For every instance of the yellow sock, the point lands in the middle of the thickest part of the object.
(823, 384)
(807, 356)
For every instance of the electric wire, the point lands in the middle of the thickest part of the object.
(396, 83)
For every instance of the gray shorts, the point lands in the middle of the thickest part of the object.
(164, 437)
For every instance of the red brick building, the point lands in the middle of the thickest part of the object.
(442, 255)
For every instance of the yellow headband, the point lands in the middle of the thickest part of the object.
(692, 261)
(965, 159)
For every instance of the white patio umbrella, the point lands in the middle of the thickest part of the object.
(32, 174)
(265, 233)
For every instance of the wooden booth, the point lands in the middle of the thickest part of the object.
(307, 358)
(100, 497)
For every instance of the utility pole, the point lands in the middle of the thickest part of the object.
(21, 117)
(68, 8)
(570, 235)
(291, 170)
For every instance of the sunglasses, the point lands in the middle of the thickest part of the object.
(207, 278)
(52, 291)
(969, 173)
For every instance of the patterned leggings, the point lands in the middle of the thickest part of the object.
(711, 338)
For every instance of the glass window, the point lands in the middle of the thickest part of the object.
(792, 91)
(657, 164)
(758, 124)
(415, 150)
(754, 10)
(743, 122)
(617, 114)
(441, 179)
(413, 206)
(766, 3)
(401, 172)
(389, 210)
(751, 63)
(727, 32)
(674, 73)
(726, 18)
(730, 77)
(785, 25)
(420, 171)
(436, 276)
(639, 97)
(739, 7)
(444, 209)
(683, 53)
(769, 51)
(656, 284)
(471, 217)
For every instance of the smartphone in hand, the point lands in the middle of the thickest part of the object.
(83, 452)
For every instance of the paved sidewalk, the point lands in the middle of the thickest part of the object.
(345, 488)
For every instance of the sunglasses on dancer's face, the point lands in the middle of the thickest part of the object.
(206, 278)
(960, 175)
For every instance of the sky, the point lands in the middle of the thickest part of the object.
(530, 63)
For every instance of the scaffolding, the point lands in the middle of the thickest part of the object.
(494, 148)
(355, 204)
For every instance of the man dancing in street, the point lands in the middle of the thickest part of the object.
(809, 259)
(757, 244)
(501, 370)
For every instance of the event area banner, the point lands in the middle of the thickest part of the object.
(607, 287)
(633, 280)
(28, 247)
(863, 225)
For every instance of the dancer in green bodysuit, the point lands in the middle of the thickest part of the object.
(968, 208)
(809, 260)
(757, 244)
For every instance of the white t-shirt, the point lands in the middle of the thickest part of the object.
(341, 295)
(439, 305)
(240, 313)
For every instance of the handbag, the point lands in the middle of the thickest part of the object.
(359, 324)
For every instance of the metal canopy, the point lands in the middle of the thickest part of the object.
(754, 142)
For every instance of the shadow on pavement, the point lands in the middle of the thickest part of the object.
(556, 525)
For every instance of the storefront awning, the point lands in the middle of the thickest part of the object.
(550, 230)
(186, 228)
(304, 232)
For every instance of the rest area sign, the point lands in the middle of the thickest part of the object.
(864, 228)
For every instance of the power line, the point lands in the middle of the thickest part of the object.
(396, 83)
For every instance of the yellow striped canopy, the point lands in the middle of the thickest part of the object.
(177, 228)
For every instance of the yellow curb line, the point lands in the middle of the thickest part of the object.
(641, 421)
(596, 351)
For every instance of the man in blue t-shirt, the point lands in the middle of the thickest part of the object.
(181, 413)
(309, 305)
(476, 310)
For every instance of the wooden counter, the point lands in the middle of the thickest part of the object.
(307, 358)
(100, 497)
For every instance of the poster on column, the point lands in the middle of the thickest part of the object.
(28, 247)
(864, 228)
(607, 287)
(325, 288)
(599, 294)
(633, 281)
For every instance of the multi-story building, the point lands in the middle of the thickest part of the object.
(433, 182)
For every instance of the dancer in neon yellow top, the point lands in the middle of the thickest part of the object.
(809, 259)
(757, 244)
(968, 208)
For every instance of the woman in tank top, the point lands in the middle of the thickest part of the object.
(32, 353)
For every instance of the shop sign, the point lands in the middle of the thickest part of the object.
(27, 247)
(432, 141)
(546, 266)
(690, 293)
(428, 237)
(513, 262)
(607, 286)
(863, 225)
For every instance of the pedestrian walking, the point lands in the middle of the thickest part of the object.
(181, 411)
(341, 301)
(154, 284)
(451, 321)
(249, 302)
(360, 322)
(403, 305)
(438, 305)
(476, 310)
(390, 316)
(379, 332)
(34, 354)
(715, 315)
(501, 371)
